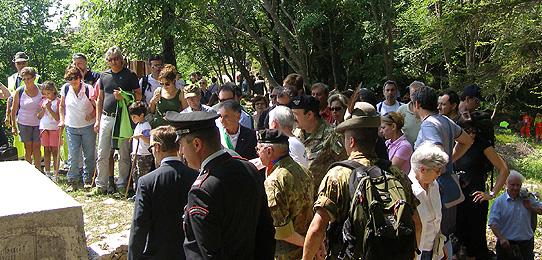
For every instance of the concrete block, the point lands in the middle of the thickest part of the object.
(37, 219)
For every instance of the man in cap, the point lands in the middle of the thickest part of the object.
(470, 98)
(333, 198)
(157, 231)
(226, 215)
(324, 146)
(14, 82)
(80, 61)
(290, 193)
(232, 134)
(192, 93)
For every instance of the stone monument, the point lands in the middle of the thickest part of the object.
(37, 219)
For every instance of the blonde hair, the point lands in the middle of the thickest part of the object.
(394, 118)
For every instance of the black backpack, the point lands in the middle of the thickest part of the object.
(144, 86)
(379, 218)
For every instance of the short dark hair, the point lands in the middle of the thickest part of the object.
(390, 82)
(49, 85)
(365, 95)
(321, 85)
(453, 98)
(426, 97)
(156, 57)
(231, 104)
(165, 136)
(137, 108)
(79, 56)
(364, 138)
(257, 99)
(209, 136)
(228, 86)
(464, 96)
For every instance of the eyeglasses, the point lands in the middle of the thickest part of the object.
(113, 59)
(71, 78)
(390, 117)
(157, 66)
(470, 130)
(335, 109)
(150, 147)
(222, 100)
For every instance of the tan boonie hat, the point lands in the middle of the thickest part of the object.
(20, 56)
(191, 90)
(363, 116)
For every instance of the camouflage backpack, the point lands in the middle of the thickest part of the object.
(379, 224)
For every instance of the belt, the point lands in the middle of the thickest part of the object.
(109, 114)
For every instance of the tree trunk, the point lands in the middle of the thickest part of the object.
(168, 40)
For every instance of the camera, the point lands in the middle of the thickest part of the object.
(524, 193)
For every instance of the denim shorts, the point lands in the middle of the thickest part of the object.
(28, 133)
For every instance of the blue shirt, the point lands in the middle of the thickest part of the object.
(512, 218)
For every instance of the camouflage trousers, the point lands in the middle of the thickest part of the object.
(142, 166)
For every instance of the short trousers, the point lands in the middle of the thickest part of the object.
(143, 165)
(28, 134)
(50, 137)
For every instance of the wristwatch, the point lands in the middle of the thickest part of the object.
(492, 194)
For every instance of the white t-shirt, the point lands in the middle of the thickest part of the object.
(77, 107)
(298, 152)
(429, 211)
(382, 108)
(145, 129)
(47, 122)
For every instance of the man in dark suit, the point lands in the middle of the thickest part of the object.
(226, 216)
(157, 230)
(232, 134)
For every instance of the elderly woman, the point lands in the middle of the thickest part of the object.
(338, 103)
(24, 111)
(399, 149)
(473, 168)
(167, 97)
(77, 113)
(427, 162)
(259, 103)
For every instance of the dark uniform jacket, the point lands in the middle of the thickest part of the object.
(246, 143)
(227, 215)
(157, 231)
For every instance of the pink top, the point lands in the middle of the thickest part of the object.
(28, 109)
(401, 149)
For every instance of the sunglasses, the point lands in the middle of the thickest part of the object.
(150, 148)
(222, 100)
(71, 78)
(113, 59)
(390, 117)
(273, 96)
(470, 130)
(335, 109)
(164, 83)
(157, 66)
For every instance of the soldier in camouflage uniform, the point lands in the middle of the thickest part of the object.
(324, 146)
(333, 201)
(289, 192)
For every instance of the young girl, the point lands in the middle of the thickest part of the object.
(49, 132)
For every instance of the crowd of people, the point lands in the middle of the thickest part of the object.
(211, 180)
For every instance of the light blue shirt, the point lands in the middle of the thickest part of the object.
(512, 218)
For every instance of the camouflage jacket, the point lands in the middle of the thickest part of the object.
(290, 195)
(324, 147)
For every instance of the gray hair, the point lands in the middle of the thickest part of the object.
(338, 97)
(515, 174)
(284, 117)
(429, 156)
(79, 56)
(416, 84)
(114, 50)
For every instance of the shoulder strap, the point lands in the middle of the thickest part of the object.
(20, 91)
(346, 163)
(66, 90)
(68, 87)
